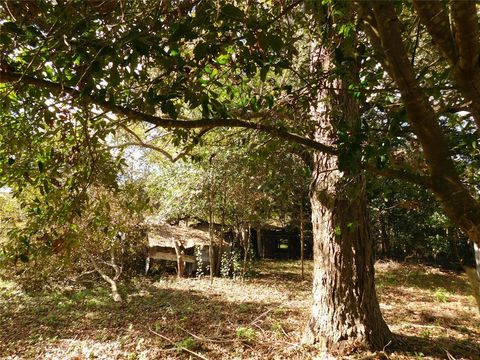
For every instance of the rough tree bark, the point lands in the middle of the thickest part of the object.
(345, 313)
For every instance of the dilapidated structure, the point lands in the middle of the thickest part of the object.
(187, 246)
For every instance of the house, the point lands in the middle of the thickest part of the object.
(187, 246)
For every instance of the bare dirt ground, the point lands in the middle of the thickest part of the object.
(431, 312)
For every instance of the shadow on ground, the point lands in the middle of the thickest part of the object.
(438, 348)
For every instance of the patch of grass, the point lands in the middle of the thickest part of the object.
(441, 295)
(94, 302)
(279, 311)
(426, 334)
(133, 356)
(246, 334)
(277, 328)
(187, 343)
(244, 308)
(391, 280)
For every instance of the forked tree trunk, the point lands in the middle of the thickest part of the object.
(111, 281)
(345, 312)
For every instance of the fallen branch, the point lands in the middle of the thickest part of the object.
(204, 339)
(263, 315)
(180, 347)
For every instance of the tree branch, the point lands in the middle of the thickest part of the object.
(434, 15)
(168, 123)
(423, 181)
(465, 18)
(462, 51)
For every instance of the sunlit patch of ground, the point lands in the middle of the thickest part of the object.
(261, 318)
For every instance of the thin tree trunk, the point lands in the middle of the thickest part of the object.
(474, 275)
(220, 247)
(302, 239)
(246, 248)
(111, 281)
(210, 228)
(385, 240)
(260, 244)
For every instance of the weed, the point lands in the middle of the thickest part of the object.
(187, 343)
(246, 334)
(244, 308)
(94, 302)
(277, 327)
(391, 280)
(133, 356)
(426, 334)
(441, 295)
(279, 311)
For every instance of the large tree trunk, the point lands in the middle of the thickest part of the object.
(345, 312)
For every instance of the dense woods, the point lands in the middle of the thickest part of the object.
(223, 133)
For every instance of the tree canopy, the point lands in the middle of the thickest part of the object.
(331, 89)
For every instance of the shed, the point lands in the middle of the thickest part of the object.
(185, 245)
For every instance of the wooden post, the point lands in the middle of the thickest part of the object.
(260, 244)
(180, 259)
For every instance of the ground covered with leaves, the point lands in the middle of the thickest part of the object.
(431, 312)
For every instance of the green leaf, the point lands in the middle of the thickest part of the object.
(276, 42)
(222, 59)
(114, 76)
(338, 231)
(12, 27)
(41, 166)
(169, 108)
(141, 46)
(200, 51)
(232, 12)
(263, 73)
